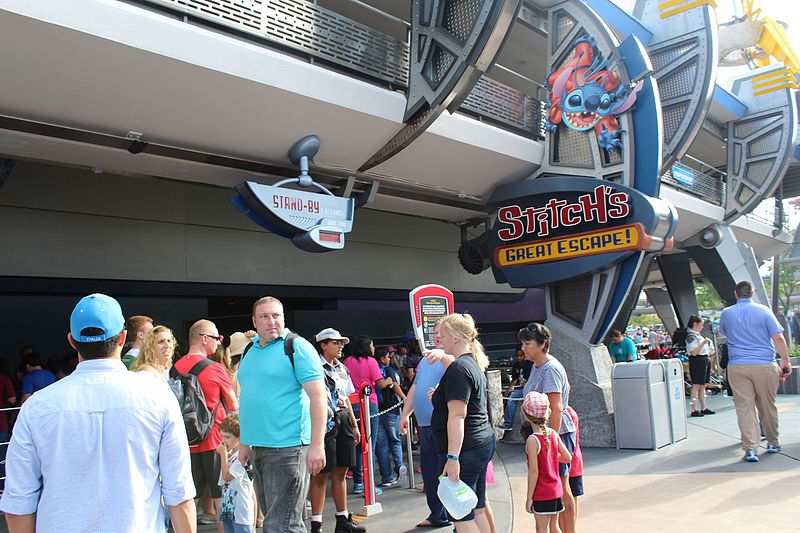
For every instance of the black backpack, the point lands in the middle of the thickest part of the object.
(330, 385)
(197, 419)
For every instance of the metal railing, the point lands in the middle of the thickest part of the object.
(699, 179)
(328, 37)
(767, 213)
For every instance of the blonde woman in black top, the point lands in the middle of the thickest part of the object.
(464, 437)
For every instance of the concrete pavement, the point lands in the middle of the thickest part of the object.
(699, 484)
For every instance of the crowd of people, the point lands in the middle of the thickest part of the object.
(253, 427)
(280, 422)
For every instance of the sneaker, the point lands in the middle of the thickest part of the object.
(391, 483)
(751, 456)
(696, 414)
(773, 448)
(359, 489)
(505, 426)
(346, 524)
(349, 475)
(316, 527)
(708, 411)
(402, 476)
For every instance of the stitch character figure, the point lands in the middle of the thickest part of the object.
(585, 94)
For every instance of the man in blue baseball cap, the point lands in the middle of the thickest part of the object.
(102, 448)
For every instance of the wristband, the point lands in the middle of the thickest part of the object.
(452, 457)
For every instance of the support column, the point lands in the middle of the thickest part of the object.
(659, 299)
(589, 370)
(724, 262)
(677, 273)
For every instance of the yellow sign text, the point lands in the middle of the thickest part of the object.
(619, 239)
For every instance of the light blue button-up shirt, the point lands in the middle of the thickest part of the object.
(96, 452)
(749, 328)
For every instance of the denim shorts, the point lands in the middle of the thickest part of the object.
(473, 465)
(569, 443)
(229, 526)
(282, 476)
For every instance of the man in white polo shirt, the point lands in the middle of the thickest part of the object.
(99, 450)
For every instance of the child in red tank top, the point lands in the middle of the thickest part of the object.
(543, 449)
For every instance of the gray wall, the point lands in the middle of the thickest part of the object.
(61, 222)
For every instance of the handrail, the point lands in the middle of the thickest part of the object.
(704, 164)
(383, 14)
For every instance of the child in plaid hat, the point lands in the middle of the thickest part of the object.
(543, 449)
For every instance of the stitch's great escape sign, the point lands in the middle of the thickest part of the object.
(557, 228)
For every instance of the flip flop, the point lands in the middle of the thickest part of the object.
(428, 523)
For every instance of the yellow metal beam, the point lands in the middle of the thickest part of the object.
(775, 88)
(679, 6)
(775, 42)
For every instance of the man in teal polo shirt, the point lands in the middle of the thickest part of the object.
(282, 415)
(621, 348)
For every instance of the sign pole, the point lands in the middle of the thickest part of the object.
(371, 507)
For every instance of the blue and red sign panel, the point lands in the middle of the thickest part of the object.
(556, 228)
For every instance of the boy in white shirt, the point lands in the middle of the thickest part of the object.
(238, 509)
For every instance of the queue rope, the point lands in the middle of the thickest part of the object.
(384, 411)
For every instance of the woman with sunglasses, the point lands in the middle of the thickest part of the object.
(549, 377)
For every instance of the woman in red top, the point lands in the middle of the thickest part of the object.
(364, 369)
(544, 484)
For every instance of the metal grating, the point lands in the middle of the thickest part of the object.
(324, 34)
(570, 298)
(500, 103)
(439, 64)
(704, 186)
(673, 118)
(573, 147)
(327, 35)
(459, 18)
(767, 144)
(756, 172)
(678, 83)
(745, 129)
(563, 27)
(667, 56)
(244, 12)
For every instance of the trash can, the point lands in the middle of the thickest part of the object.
(676, 393)
(641, 413)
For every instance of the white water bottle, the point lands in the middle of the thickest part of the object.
(456, 497)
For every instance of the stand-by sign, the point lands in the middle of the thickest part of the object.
(429, 303)
(315, 222)
(556, 228)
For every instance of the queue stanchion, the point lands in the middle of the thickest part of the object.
(412, 481)
(371, 507)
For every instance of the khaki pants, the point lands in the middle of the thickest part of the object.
(754, 389)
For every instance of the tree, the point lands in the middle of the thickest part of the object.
(707, 297)
(788, 285)
(644, 320)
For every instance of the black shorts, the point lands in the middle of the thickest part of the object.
(340, 443)
(205, 473)
(699, 369)
(576, 485)
(548, 506)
